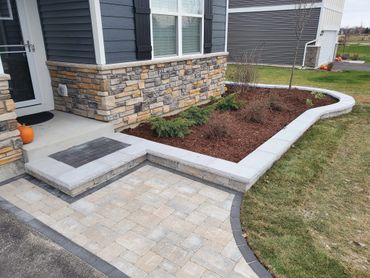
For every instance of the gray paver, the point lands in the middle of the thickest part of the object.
(151, 222)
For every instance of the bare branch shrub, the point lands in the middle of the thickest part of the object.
(216, 128)
(247, 70)
(277, 104)
(256, 111)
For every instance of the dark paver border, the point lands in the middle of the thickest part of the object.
(241, 242)
(100, 264)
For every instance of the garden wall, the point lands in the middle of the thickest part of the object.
(130, 93)
(11, 156)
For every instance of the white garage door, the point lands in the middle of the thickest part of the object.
(328, 42)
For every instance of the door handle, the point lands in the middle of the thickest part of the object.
(30, 47)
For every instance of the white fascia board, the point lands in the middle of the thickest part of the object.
(97, 28)
(270, 8)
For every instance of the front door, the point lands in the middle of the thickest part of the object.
(23, 56)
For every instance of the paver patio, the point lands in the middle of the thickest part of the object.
(150, 222)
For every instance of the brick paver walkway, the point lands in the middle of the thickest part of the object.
(151, 222)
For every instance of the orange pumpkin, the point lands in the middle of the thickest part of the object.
(26, 133)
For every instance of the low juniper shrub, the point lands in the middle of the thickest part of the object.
(196, 115)
(177, 127)
(228, 103)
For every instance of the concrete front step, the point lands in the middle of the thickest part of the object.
(61, 132)
(74, 181)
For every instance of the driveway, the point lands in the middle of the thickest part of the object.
(350, 66)
(152, 222)
(26, 253)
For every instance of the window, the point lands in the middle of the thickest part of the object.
(5, 10)
(177, 27)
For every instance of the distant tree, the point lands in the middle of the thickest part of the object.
(367, 31)
(303, 13)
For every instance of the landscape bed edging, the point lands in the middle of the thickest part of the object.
(242, 175)
(237, 176)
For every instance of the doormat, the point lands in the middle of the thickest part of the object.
(35, 119)
(79, 155)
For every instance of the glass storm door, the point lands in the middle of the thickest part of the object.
(17, 54)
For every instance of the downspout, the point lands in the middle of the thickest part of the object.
(305, 51)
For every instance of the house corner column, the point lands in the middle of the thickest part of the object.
(11, 155)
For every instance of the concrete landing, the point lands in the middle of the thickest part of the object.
(63, 131)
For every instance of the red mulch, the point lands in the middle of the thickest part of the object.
(244, 137)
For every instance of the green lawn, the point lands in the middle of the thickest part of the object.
(356, 83)
(362, 50)
(309, 215)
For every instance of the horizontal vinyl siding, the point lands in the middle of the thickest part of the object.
(219, 25)
(67, 30)
(118, 21)
(257, 3)
(271, 33)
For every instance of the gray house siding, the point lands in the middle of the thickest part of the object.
(67, 30)
(272, 33)
(219, 25)
(118, 21)
(256, 3)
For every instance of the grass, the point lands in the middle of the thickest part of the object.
(362, 50)
(308, 216)
(356, 83)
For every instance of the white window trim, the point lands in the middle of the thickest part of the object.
(10, 17)
(270, 8)
(179, 15)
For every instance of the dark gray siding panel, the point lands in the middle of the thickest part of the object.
(67, 30)
(255, 3)
(118, 21)
(271, 33)
(218, 25)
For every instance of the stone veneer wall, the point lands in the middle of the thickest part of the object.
(130, 93)
(11, 156)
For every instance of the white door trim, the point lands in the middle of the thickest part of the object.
(32, 32)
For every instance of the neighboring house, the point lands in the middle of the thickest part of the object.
(118, 61)
(269, 27)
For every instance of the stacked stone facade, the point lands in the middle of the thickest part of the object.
(127, 94)
(11, 158)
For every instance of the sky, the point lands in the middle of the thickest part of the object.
(356, 12)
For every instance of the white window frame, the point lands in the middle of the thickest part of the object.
(179, 15)
(10, 17)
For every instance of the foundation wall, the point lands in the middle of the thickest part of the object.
(130, 93)
(11, 157)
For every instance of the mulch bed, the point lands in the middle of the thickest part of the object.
(244, 137)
